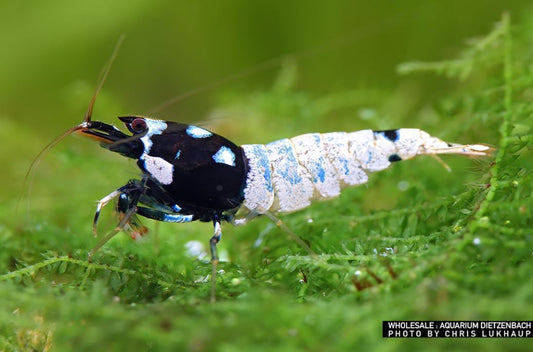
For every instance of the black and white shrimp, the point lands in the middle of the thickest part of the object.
(190, 173)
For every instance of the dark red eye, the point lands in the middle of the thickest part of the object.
(138, 125)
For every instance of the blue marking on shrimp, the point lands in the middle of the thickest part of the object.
(259, 190)
(177, 218)
(224, 156)
(288, 164)
(292, 182)
(311, 154)
(341, 152)
(197, 132)
(371, 149)
(369, 157)
(265, 165)
(316, 167)
(321, 175)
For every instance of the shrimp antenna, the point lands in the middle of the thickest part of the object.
(28, 178)
(104, 74)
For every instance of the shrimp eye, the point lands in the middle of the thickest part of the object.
(138, 125)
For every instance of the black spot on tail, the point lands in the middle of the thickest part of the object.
(391, 135)
(394, 157)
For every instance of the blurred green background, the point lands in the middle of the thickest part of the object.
(255, 72)
(53, 51)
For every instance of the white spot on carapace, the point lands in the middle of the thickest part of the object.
(224, 156)
(197, 132)
(177, 156)
(159, 168)
(153, 127)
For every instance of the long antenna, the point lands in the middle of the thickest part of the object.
(227, 79)
(335, 44)
(106, 70)
(28, 178)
